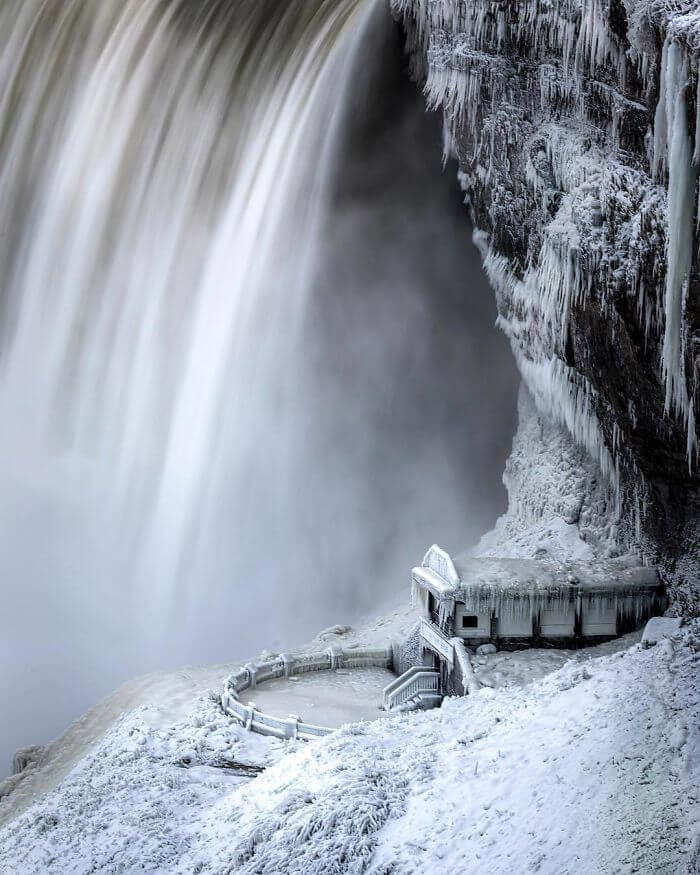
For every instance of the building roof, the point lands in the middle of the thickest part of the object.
(466, 578)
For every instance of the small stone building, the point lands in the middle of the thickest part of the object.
(515, 603)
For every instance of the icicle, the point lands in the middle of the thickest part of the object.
(696, 156)
(660, 124)
(692, 444)
(563, 394)
(681, 207)
(419, 596)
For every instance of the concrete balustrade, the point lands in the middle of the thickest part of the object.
(290, 665)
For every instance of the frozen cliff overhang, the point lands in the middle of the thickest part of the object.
(576, 127)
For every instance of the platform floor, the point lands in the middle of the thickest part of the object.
(326, 698)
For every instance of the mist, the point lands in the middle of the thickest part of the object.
(382, 425)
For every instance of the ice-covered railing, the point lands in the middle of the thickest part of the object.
(421, 680)
(464, 671)
(418, 680)
(293, 665)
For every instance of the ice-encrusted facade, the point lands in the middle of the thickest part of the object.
(518, 603)
(576, 127)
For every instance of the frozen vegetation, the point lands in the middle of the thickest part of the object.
(595, 768)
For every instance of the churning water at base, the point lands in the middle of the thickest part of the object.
(210, 439)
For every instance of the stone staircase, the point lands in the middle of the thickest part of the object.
(415, 689)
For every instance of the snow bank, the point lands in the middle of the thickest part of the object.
(173, 693)
(594, 769)
(659, 628)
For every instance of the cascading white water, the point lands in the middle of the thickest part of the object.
(164, 169)
(230, 405)
(141, 311)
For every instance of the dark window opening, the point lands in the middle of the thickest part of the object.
(470, 622)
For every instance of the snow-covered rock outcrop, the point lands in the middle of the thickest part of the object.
(576, 126)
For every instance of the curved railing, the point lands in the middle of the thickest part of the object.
(291, 665)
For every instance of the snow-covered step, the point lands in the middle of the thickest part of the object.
(426, 701)
(421, 702)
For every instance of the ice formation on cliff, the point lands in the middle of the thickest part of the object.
(576, 128)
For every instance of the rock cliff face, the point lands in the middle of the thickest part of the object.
(576, 127)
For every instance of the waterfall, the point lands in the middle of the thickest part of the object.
(234, 346)
(164, 170)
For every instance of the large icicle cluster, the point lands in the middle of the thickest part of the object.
(576, 128)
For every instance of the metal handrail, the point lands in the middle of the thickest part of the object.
(413, 682)
(401, 679)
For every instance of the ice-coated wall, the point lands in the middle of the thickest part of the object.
(576, 125)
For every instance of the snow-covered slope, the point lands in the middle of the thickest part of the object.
(172, 695)
(576, 126)
(44, 767)
(594, 769)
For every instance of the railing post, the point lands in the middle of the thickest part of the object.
(288, 663)
(293, 722)
(228, 696)
(336, 657)
(251, 715)
(252, 670)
